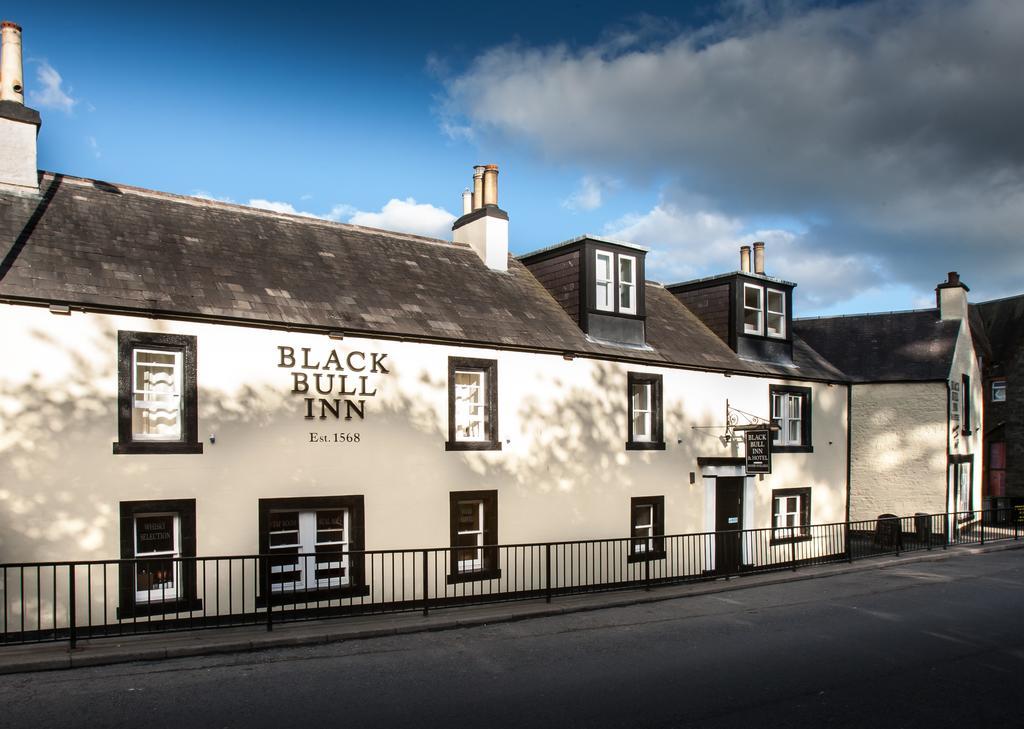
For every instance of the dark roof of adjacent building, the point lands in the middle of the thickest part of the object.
(91, 244)
(899, 346)
(1003, 322)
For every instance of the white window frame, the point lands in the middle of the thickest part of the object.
(759, 330)
(998, 386)
(306, 561)
(606, 285)
(627, 286)
(769, 313)
(163, 594)
(782, 415)
(647, 545)
(472, 565)
(782, 513)
(954, 401)
(141, 393)
(647, 414)
(468, 412)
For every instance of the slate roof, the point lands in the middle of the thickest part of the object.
(1003, 323)
(102, 246)
(897, 346)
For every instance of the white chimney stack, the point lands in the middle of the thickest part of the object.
(484, 227)
(19, 125)
(467, 202)
(951, 297)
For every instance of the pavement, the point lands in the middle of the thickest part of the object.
(164, 646)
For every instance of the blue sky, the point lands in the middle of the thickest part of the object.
(874, 146)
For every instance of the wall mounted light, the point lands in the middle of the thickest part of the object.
(336, 335)
(568, 356)
(213, 438)
(62, 309)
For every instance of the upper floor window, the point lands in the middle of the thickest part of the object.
(791, 414)
(998, 390)
(753, 322)
(472, 404)
(646, 424)
(157, 394)
(615, 282)
(965, 382)
(764, 311)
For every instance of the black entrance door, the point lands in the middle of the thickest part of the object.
(728, 523)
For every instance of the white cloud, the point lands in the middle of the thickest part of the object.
(894, 121)
(94, 146)
(51, 93)
(590, 193)
(403, 216)
(408, 216)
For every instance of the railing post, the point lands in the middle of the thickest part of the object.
(426, 583)
(983, 527)
(792, 548)
(849, 542)
(1016, 523)
(72, 629)
(265, 564)
(547, 571)
(647, 574)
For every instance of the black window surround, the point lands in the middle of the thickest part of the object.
(740, 297)
(127, 343)
(801, 533)
(806, 444)
(357, 586)
(491, 441)
(657, 550)
(614, 255)
(187, 600)
(657, 441)
(965, 402)
(490, 568)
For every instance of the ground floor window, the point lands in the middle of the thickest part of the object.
(474, 534)
(791, 515)
(647, 528)
(158, 540)
(312, 547)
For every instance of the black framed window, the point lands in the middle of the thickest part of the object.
(616, 288)
(646, 420)
(156, 394)
(158, 547)
(998, 392)
(474, 536)
(791, 414)
(472, 405)
(646, 528)
(791, 515)
(313, 548)
(966, 387)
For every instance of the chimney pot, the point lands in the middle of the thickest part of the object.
(953, 278)
(467, 202)
(759, 257)
(11, 83)
(478, 187)
(745, 259)
(491, 185)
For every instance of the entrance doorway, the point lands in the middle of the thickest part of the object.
(728, 524)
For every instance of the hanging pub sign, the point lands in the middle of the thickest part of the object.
(758, 450)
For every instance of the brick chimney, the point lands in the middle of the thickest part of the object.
(19, 125)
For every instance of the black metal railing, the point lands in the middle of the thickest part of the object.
(55, 601)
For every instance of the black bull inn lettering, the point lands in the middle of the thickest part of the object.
(336, 374)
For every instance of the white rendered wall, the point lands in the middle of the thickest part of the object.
(898, 448)
(965, 362)
(18, 155)
(563, 472)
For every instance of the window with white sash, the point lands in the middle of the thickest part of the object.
(627, 284)
(775, 317)
(646, 427)
(604, 281)
(474, 555)
(791, 515)
(791, 416)
(646, 528)
(156, 394)
(157, 572)
(309, 549)
(753, 309)
(157, 552)
(472, 404)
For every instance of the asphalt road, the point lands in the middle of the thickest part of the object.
(924, 645)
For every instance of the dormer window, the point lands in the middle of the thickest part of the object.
(764, 311)
(753, 318)
(776, 318)
(617, 295)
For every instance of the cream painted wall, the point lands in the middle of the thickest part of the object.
(898, 448)
(563, 472)
(965, 361)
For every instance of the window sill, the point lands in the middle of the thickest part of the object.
(653, 445)
(789, 540)
(145, 609)
(295, 597)
(477, 576)
(472, 445)
(792, 448)
(143, 447)
(645, 556)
